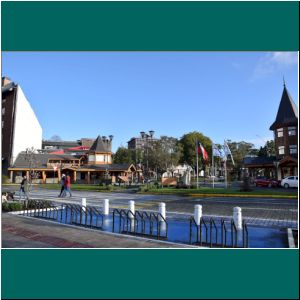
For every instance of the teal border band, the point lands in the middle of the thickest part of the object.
(141, 26)
(149, 274)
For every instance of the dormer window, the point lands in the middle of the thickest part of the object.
(279, 132)
(292, 130)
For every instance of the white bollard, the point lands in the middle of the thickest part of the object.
(237, 217)
(162, 211)
(131, 208)
(106, 207)
(197, 213)
(83, 203)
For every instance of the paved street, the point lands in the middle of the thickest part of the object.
(269, 212)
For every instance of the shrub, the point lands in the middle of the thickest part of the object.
(109, 187)
(245, 186)
(6, 207)
(5, 179)
(143, 189)
(33, 204)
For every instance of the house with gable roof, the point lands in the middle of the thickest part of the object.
(92, 166)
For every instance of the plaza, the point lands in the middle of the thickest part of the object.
(261, 213)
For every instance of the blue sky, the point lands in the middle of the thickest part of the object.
(224, 95)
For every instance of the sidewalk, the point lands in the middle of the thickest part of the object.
(24, 232)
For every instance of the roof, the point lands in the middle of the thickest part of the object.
(259, 160)
(287, 114)
(101, 146)
(8, 86)
(61, 144)
(108, 167)
(40, 159)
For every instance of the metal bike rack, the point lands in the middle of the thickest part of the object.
(210, 228)
(245, 235)
(139, 220)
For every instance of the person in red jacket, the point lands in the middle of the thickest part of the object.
(68, 184)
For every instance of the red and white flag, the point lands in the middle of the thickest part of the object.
(202, 150)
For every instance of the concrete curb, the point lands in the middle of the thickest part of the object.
(291, 238)
(242, 196)
(224, 195)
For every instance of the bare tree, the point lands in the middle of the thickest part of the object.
(31, 158)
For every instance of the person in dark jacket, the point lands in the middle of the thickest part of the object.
(62, 183)
(23, 188)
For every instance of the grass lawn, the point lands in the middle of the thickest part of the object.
(83, 187)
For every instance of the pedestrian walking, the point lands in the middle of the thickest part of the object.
(23, 188)
(68, 184)
(62, 184)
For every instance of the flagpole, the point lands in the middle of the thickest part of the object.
(225, 169)
(197, 163)
(213, 172)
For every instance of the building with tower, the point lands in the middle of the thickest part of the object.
(285, 129)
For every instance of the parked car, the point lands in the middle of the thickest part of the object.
(266, 182)
(291, 181)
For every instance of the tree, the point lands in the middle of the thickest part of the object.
(123, 156)
(164, 154)
(268, 149)
(188, 144)
(31, 158)
(239, 150)
(55, 138)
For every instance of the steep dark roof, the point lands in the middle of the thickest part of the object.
(287, 114)
(259, 160)
(100, 146)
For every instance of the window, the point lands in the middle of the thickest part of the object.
(3, 111)
(293, 149)
(281, 150)
(280, 132)
(3, 100)
(292, 130)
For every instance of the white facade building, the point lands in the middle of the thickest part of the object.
(20, 127)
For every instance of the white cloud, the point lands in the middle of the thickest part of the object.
(274, 61)
(285, 58)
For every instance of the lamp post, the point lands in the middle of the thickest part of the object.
(145, 136)
(276, 164)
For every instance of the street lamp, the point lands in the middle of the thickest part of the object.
(146, 136)
(276, 164)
